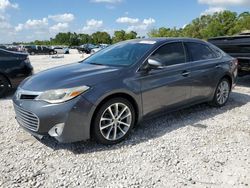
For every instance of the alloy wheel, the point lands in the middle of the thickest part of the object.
(223, 92)
(115, 121)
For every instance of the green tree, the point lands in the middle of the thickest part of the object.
(62, 39)
(101, 38)
(85, 38)
(243, 23)
(130, 35)
(119, 36)
(74, 40)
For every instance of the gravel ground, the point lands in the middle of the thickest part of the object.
(197, 147)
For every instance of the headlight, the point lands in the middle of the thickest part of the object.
(61, 95)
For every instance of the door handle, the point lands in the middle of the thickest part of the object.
(185, 73)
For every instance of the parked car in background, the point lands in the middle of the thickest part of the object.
(33, 49)
(107, 94)
(3, 47)
(14, 68)
(10, 48)
(86, 48)
(61, 50)
(98, 48)
(237, 46)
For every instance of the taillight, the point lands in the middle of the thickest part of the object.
(236, 62)
(27, 60)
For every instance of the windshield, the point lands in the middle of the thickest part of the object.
(121, 54)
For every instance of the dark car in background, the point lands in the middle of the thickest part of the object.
(237, 46)
(33, 50)
(86, 48)
(106, 95)
(10, 48)
(14, 68)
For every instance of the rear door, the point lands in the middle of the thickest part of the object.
(170, 86)
(204, 67)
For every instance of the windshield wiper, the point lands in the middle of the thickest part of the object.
(95, 63)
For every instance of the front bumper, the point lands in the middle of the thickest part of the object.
(75, 115)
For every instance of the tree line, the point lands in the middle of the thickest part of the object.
(207, 26)
(203, 27)
(74, 39)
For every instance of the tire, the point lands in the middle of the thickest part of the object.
(110, 130)
(51, 53)
(222, 93)
(4, 86)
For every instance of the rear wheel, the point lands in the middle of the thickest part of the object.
(114, 121)
(4, 86)
(222, 93)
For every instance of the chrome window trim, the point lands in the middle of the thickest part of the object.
(185, 51)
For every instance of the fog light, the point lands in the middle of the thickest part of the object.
(56, 130)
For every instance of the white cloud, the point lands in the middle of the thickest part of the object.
(33, 24)
(142, 27)
(5, 26)
(225, 2)
(2, 18)
(135, 24)
(60, 27)
(19, 27)
(36, 24)
(67, 17)
(213, 10)
(5, 4)
(92, 26)
(106, 1)
(148, 21)
(127, 20)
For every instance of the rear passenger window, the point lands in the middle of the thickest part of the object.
(170, 54)
(199, 52)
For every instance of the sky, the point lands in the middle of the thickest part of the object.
(28, 20)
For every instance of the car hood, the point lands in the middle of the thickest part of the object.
(73, 75)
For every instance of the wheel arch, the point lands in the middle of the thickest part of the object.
(229, 78)
(124, 95)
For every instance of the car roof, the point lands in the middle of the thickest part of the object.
(161, 40)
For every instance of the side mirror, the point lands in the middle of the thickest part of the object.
(154, 64)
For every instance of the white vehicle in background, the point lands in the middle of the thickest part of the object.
(100, 47)
(61, 50)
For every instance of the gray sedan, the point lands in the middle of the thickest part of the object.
(107, 94)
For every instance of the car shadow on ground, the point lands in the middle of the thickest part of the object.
(9, 95)
(156, 126)
(244, 81)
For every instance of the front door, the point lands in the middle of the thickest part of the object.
(169, 86)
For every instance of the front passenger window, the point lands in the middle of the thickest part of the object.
(170, 54)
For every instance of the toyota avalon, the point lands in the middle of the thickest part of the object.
(106, 95)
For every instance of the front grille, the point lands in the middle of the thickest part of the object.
(26, 119)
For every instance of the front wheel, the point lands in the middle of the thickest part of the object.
(222, 93)
(113, 121)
